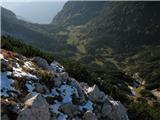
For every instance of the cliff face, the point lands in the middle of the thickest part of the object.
(33, 89)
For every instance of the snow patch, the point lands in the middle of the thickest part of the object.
(29, 65)
(88, 105)
(67, 92)
(6, 84)
(18, 72)
(62, 117)
(55, 107)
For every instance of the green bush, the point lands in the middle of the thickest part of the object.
(11, 44)
(142, 111)
(147, 93)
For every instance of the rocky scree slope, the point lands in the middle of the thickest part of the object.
(33, 89)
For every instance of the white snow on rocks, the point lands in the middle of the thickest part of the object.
(64, 101)
(88, 106)
(6, 84)
(62, 117)
(18, 72)
(30, 86)
(67, 91)
(55, 107)
(28, 65)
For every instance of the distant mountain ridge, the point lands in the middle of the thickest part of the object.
(122, 26)
(126, 26)
(20, 29)
(78, 12)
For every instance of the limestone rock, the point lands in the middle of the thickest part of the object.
(28, 96)
(64, 76)
(36, 108)
(81, 93)
(41, 88)
(94, 94)
(114, 110)
(56, 67)
(69, 109)
(89, 116)
(57, 81)
(42, 63)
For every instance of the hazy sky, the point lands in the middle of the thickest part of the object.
(36, 11)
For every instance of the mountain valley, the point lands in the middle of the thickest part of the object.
(115, 45)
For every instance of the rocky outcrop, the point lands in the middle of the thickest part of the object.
(41, 88)
(114, 110)
(64, 75)
(69, 109)
(36, 108)
(56, 67)
(42, 63)
(57, 81)
(89, 116)
(94, 94)
(109, 108)
(55, 96)
(81, 93)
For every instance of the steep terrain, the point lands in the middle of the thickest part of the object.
(33, 34)
(115, 46)
(21, 29)
(78, 13)
(39, 36)
(140, 103)
(123, 34)
(33, 89)
(126, 26)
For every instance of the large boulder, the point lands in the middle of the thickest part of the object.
(41, 88)
(64, 76)
(88, 115)
(74, 83)
(114, 110)
(94, 94)
(42, 63)
(69, 109)
(57, 81)
(56, 67)
(36, 108)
